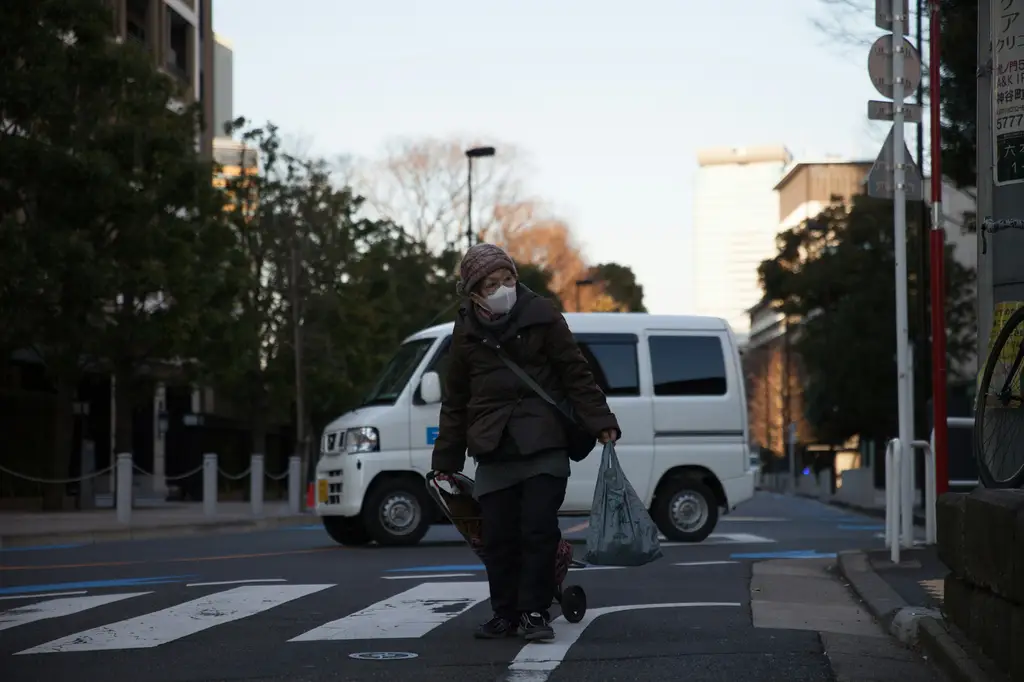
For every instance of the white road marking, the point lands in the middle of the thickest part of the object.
(238, 582)
(161, 627)
(721, 539)
(597, 568)
(705, 563)
(44, 594)
(420, 576)
(58, 608)
(412, 613)
(536, 661)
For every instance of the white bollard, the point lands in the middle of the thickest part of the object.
(893, 466)
(210, 484)
(294, 484)
(256, 484)
(124, 487)
(907, 456)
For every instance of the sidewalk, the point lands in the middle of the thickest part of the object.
(907, 599)
(28, 529)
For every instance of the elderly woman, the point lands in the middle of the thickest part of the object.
(518, 440)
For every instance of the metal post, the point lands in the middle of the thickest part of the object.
(908, 472)
(893, 451)
(210, 484)
(294, 484)
(256, 484)
(124, 487)
(469, 201)
(900, 237)
(940, 446)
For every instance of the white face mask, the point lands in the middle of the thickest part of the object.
(502, 300)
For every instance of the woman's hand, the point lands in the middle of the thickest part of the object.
(608, 436)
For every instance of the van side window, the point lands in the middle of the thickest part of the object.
(612, 359)
(687, 365)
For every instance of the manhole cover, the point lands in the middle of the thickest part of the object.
(383, 655)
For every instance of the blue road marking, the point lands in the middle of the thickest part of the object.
(440, 569)
(852, 526)
(124, 582)
(795, 554)
(315, 526)
(432, 432)
(39, 548)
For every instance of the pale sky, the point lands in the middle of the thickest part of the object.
(610, 100)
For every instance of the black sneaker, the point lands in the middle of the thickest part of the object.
(534, 627)
(498, 627)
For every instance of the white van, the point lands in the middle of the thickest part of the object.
(673, 382)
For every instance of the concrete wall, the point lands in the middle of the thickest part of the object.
(981, 540)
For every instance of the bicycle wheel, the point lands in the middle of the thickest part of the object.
(999, 418)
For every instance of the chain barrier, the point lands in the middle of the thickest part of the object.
(230, 477)
(187, 474)
(990, 226)
(277, 477)
(56, 481)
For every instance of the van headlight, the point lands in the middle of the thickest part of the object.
(362, 439)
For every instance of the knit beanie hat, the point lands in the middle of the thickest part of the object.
(480, 261)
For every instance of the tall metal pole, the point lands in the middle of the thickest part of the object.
(922, 240)
(469, 202)
(301, 450)
(938, 262)
(900, 237)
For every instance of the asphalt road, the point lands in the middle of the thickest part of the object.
(290, 606)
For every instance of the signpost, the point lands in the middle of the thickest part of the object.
(895, 70)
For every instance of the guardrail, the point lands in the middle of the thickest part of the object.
(899, 490)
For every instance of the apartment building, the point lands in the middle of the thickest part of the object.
(179, 36)
(735, 222)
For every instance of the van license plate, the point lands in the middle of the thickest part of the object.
(321, 490)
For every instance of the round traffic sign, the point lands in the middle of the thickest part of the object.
(383, 655)
(880, 66)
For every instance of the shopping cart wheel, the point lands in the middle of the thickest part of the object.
(574, 603)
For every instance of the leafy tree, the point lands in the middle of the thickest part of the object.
(112, 251)
(619, 282)
(538, 280)
(836, 273)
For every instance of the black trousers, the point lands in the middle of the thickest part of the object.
(520, 542)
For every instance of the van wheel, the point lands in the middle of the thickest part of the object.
(396, 513)
(685, 510)
(346, 530)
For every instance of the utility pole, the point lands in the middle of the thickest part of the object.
(300, 402)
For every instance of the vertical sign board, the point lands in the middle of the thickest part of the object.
(1008, 90)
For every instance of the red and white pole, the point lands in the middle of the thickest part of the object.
(938, 262)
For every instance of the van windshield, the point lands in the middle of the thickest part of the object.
(389, 384)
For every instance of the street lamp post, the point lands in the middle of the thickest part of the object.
(581, 283)
(474, 153)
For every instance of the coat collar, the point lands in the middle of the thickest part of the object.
(530, 309)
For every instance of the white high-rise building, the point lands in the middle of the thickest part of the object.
(736, 218)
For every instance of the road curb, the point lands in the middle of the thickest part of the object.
(913, 626)
(866, 511)
(153, 532)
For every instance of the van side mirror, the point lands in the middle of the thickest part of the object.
(430, 388)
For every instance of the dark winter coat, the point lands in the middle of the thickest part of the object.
(485, 400)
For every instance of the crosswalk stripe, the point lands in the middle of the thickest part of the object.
(57, 608)
(161, 627)
(411, 614)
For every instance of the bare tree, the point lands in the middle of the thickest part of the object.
(422, 186)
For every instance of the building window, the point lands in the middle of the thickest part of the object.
(178, 60)
(613, 362)
(137, 21)
(687, 365)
